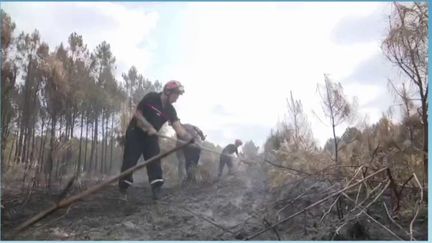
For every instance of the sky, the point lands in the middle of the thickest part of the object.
(237, 61)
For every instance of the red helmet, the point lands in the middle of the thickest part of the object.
(173, 86)
(238, 142)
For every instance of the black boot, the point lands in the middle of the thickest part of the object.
(123, 186)
(156, 192)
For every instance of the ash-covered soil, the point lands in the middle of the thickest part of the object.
(234, 208)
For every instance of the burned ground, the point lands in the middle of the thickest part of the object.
(236, 207)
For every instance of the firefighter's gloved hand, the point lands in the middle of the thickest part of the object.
(186, 137)
(151, 131)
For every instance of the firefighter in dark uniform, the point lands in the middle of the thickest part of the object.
(189, 156)
(141, 135)
(226, 156)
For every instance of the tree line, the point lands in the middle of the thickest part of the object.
(62, 108)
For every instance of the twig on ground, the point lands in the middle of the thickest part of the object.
(358, 194)
(404, 184)
(376, 197)
(329, 210)
(358, 207)
(296, 198)
(393, 221)
(395, 195)
(383, 226)
(287, 168)
(267, 223)
(206, 219)
(67, 188)
(337, 199)
(316, 203)
(262, 210)
(72, 199)
(346, 195)
(363, 211)
(367, 196)
(419, 202)
(56, 219)
(339, 228)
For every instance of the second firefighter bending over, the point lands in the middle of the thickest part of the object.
(227, 157)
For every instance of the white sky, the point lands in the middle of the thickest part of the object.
(238, 61)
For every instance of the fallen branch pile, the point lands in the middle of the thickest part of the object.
(361, 199)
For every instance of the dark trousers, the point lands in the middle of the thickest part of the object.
(137, 144)
(225, 159)
(192, 155)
